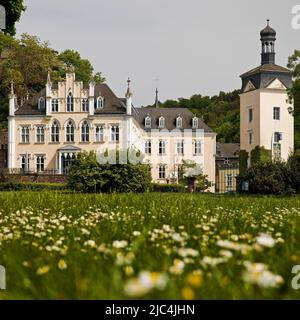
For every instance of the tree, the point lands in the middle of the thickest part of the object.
(294, 65)
(27, 61)
(83, 67)
(14, 10)
(270, 178)
(87, 175)
(192, 175)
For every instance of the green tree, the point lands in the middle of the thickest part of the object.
(83, 67)
(14, 10)
(294, 65)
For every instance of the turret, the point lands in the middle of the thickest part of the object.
(128, 96)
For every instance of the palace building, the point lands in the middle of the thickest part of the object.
(266, 112)
(47, 131)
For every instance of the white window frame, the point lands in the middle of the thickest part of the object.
(195, 123)
(99, 133)
(115, 133)
(25, 134)
(54, 105)
(85, 131)
(85, 105)
(55, 132)
(70, 131)
(180, 147)
(162, 147)
(229, 180)
(162, 171)
(198, 147)
(179, 123)
(100, 102)
(148, 122)
(276, 113)
(162, 122)
(70, 102)
(40, 134)
(40, 163)
(148, 147)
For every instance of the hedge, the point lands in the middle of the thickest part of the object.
(168, 188)
(18, 186)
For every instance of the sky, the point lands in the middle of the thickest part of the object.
(183, 47)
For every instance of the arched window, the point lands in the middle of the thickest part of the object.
(161, 122)
(70, 130)
(148, 122)
(195, 123)
(70, 103)
(85, 132)
(85, 105)
(179, 122)
(55, 132)
(100, 102)
(42, 104)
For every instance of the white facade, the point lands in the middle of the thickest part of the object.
(49, 130)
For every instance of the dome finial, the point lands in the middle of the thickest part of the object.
(268, 22)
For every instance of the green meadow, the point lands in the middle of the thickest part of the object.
(148, 246)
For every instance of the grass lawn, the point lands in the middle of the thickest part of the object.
(156, 246)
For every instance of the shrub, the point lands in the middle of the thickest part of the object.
(168, 188)
(270, 178)
(294, 167)
(18, 186)
(87, 175)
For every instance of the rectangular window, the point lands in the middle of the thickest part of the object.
(85, 105)
(250, 137)
(54, 105)
(40, 163)
(276, 113)
(40, 134)
(250, 115)
(277, 137)
(25, 163)
(115, 133)
(162, 172)
(198, 147)
(229, 180)
(180, 147)
(148, 147)
(99, 133)
(25, 134)
(162, 147)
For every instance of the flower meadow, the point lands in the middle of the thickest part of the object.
(148, 246)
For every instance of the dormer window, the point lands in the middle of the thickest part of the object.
(42, 104)
(195, 123)
(100, 102)
(179, 122)
(161, 122)
(70, 103)
(148, 122)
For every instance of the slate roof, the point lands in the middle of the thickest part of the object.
(266, 68)
(112, 104)
(228, 150)
(170, 115)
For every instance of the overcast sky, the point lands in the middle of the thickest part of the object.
(191, 46)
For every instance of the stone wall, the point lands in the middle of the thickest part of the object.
(35, 178)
